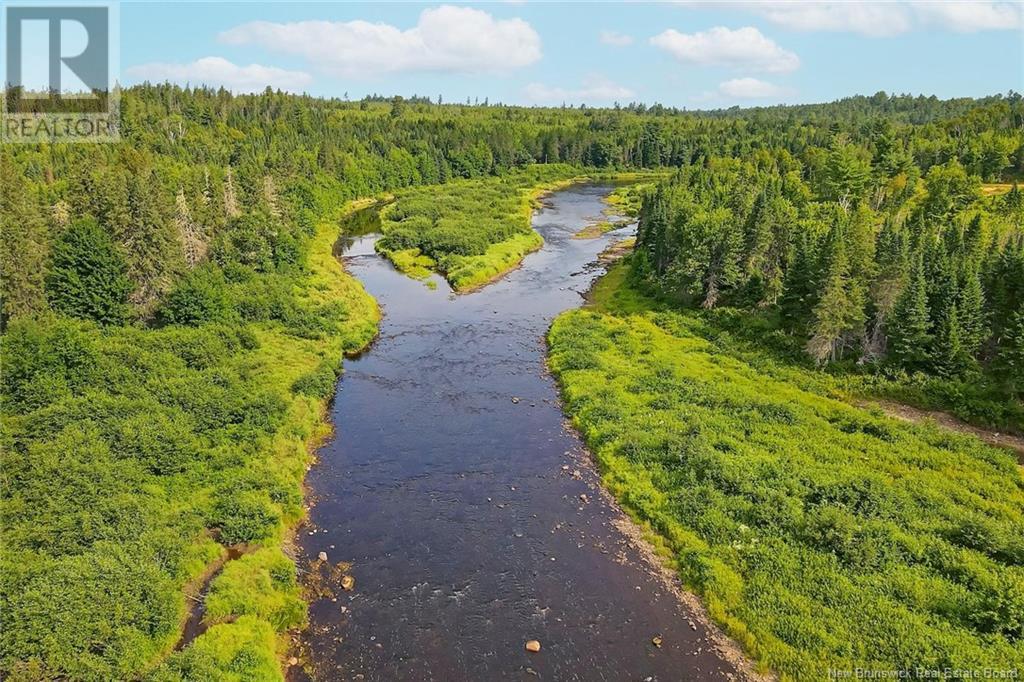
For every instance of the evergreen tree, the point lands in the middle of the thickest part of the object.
(153, 250)
(88, 275)
(971, 308)
(1011, 354)
(847, 173)
(23, 248)
(798, 293)
(949, 356)
(838, 316)
(910, 329)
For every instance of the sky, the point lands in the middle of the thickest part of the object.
(694, 55)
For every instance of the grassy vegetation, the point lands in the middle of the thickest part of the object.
(470, 231)
(821, 535)
(628, 199)
(474, 231)
(597, 229)
(134, 456)
(993, 189)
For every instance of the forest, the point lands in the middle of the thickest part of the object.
(174, 323)
(863, 259)
(725, 377)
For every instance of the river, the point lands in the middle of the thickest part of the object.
(453, 486)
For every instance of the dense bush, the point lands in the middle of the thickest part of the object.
(201, 296)
(88, 276)
(320, 382)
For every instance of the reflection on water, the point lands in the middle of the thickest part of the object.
(470, 513)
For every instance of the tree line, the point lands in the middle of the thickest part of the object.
(855, 249)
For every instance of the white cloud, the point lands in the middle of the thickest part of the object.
(751, 88)
(446, 38)
(883, 19)
(867, 18)
(217, 71)
(742, 48)
(596, 89)
(615, 39)
(968, 17)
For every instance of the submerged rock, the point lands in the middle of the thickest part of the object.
(533, 646)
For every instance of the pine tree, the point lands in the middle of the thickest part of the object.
(1010, 361)
(909, 337)
(724, 249)
(974, 239)
(846, 173)
(890, 264)
(151, 245)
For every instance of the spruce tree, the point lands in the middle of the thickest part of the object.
(909, 330)
(23, 249)
(971, 307)
(1010, 361)
(838, 316)
(88, 275)
(798, 288)
(949, 356)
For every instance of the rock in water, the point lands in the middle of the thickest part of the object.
(533, 646)
(322, 556)
(348, 582)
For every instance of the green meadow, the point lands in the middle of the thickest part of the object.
(821, 535)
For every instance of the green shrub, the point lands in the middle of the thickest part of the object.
(262, 584)
(88, 275)
(244, 516)
(201, 296)
(320, 382)
(241, 651)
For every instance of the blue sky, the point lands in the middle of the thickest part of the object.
(686, 54)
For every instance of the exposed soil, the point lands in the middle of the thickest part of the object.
(947, 421)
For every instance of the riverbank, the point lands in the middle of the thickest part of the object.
(463, 509)
(782, 505)
(254, 603)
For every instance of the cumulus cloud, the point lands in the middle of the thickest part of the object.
(615, 39)
(743, 48)
(217, 71)
(446, 38)
(596, 89)
(751, 88)
(882, 19)
(969, 17)
(746, 88)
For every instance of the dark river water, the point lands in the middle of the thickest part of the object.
(466, 533)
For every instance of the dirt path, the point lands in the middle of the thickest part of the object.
(948, 421)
